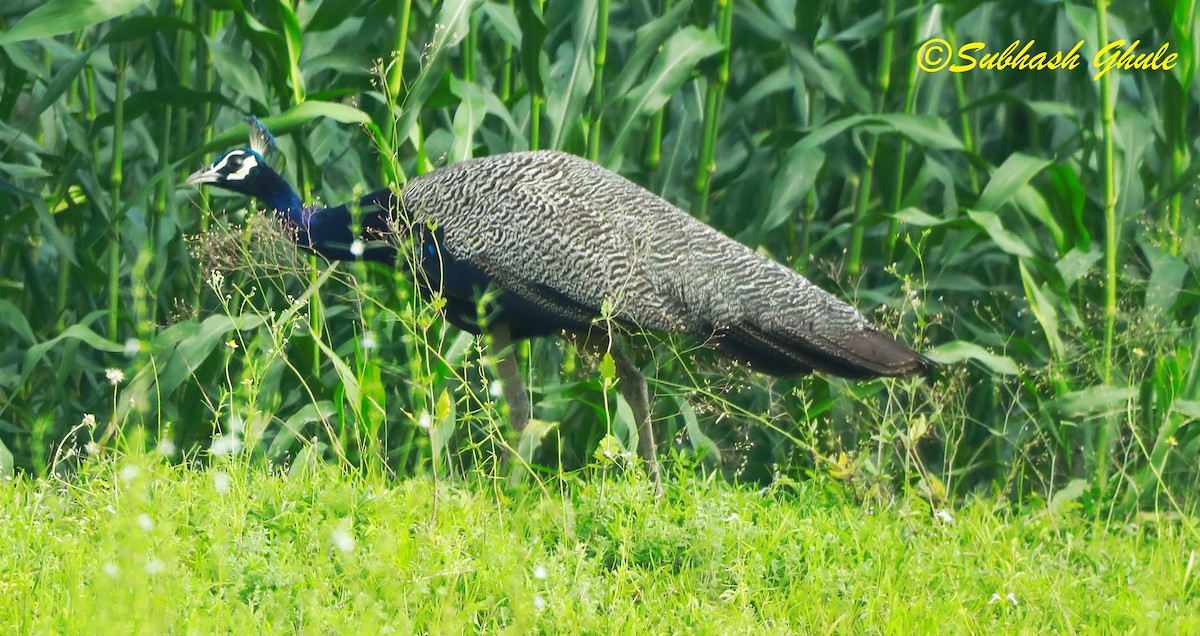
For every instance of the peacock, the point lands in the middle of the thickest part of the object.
(565, 246)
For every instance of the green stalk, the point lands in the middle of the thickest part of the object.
(910, 98)
(471, 48)
(1111, 230)
(810, 220)
(1174, 108)
(422, 156)
(863, 201)
(1173, 100)
(960, 94)
(654, 155)
(593, 151)
(708, 145)
(11, 90)
(114, 227)
(210, 23)
(60, 299)
(530, 67)
(174, 134)
(316, 314)
(143, 294)
(370, 374)
(535, 121)
(395, 76)
(508, 70)
(64, 263)
(712, 111)
(186, 55)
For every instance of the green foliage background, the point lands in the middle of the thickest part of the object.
(1035, 229)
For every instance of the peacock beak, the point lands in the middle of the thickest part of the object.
(207, 174)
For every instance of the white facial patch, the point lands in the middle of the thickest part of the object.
(248, 164)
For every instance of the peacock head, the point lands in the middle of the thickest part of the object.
(242, 170)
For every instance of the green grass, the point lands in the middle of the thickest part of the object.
(1038, 231)
(138, 545)
(1035, 235)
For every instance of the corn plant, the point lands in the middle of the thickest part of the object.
(1035, 230)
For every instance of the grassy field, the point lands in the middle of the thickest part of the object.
(276, 443)
(139, 545)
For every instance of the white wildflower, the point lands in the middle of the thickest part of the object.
(342, 540)
(129, 472)
(221, 482)
(165, 447)
(226, 445)
(539, 602)
(154, 566)
(356, 248)
(145, 522)
(115, 376)
(944, 516)
(425, 420)
(89, 420)
(112, 570)
(539, 572)
(1012, 598)
(495, 389)
(132, 347)
(368, 341)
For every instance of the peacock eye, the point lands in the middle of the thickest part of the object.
(235, 162)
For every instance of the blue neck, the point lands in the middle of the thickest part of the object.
(325, 231)
(275, 192)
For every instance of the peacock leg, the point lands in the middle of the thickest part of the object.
(635, 391)
(637, 394)
(511, 380)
